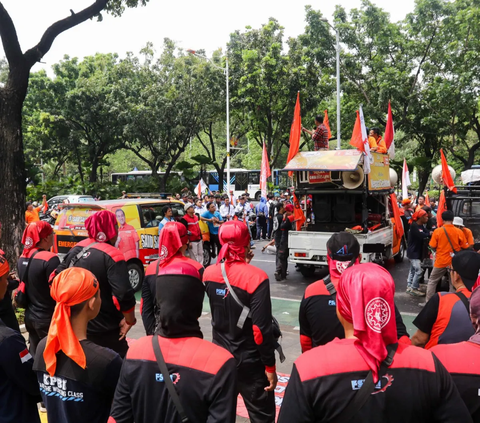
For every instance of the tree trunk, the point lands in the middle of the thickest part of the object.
(94, 170)
(12, 171)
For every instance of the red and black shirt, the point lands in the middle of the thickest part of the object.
(254, 342)
(193, 227)
(416, 388)
(149, 308)
(204, 376)
(40, 303)
(462, 361)
(77, 395)
(109, 267)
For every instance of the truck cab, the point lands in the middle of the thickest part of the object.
(336, 196)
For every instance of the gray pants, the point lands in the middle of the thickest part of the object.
(435, 277)
(196, 251)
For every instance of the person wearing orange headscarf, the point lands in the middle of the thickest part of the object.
(18, 384)
(173, 243)
(37, 240)
(325, 381)
(98, 254)
(77, 378)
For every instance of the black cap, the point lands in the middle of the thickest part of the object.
(467, 264)
(447, 216)
(343, 246)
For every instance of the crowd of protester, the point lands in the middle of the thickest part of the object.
(358, 362)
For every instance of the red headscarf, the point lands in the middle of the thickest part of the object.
(4, 267)
(289, 208)
(172, 236)
(33, 233)
(102, 226)
(417, 215)
(72, 286)
(234, 237)
(365, 299)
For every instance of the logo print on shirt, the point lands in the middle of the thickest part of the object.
(222, 292)
(85, 255)
(175, 377)
(358, 383)
(377, 314)
(163, 253)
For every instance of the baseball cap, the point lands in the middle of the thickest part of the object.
(343, 246)
(467, 264)
(458, 221)
(187, 206)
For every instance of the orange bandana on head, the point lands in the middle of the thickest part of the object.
(71, 287)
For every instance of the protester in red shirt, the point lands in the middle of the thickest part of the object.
(403, 383)
(190, 220)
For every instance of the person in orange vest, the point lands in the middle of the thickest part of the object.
(420, 203)
(31, 214)
(378, 141)
(458, 223)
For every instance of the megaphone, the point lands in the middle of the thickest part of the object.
(393, 178)
(352, 180)
(437, 174)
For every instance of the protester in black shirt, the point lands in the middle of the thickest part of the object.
(414, 387)
(462, 360)
(203, 373)
(416, 237)
(37, 240)
(117, 314)
(19, 392)
(77, 378)
(282, 247)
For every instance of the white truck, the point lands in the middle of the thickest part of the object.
(336, 195)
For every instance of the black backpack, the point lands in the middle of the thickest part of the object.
(271, 209)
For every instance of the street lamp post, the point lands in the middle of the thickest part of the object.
(225, 72)
(337, 36)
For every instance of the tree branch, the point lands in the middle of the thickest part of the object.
(36, 53)
(9, 38)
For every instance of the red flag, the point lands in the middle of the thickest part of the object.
(446, 176)
(396, 215)
(295, 132)
(357, 138)
(264, 172)
(327, 124)
(298, 214)
(389, 131)
(442, 206)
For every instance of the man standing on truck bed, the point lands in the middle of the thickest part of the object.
(320, 135)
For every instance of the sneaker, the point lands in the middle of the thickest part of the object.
(278, 277)
(409, 289)
(417, 293)
(252, 247)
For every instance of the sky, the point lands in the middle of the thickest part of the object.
(199, 24)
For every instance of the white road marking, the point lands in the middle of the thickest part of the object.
(264, 261)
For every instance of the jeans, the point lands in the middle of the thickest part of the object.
(414, 274)
(261, 227)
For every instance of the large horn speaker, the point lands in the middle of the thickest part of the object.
(393, 178)
(352, 180)
(437, 173)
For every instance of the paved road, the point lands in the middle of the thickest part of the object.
(286, 296)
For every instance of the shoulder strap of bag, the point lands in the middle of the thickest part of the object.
(464, 300)
(167, 380)
(330, 287)
(245, 310)
(364, 393)
(74, 260)
(25, 275)
(450, 242)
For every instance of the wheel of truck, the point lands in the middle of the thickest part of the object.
(399, 257)
(135, 275)
(207, 257)
(307, 270)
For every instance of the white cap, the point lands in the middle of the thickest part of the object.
(458, 221)
(35, 204)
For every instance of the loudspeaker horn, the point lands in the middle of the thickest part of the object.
(393, 178)
(352, 180)
(437, 174)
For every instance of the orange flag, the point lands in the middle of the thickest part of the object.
(396, 215)
(427, 200)
(327, 124)
(298, 214)
(446, 176)
(295, 132)
(357, 138)
(442, 206)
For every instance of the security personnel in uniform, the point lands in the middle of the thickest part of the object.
(401, 383)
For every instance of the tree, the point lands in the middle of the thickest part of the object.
(12, 96)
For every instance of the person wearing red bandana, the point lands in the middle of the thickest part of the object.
(402, 383)
(173, 244)
(18, 384)
(462, 360)
(77, 378)
(247, 335)
(98, 254)
(41, 263)
(318, 319)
